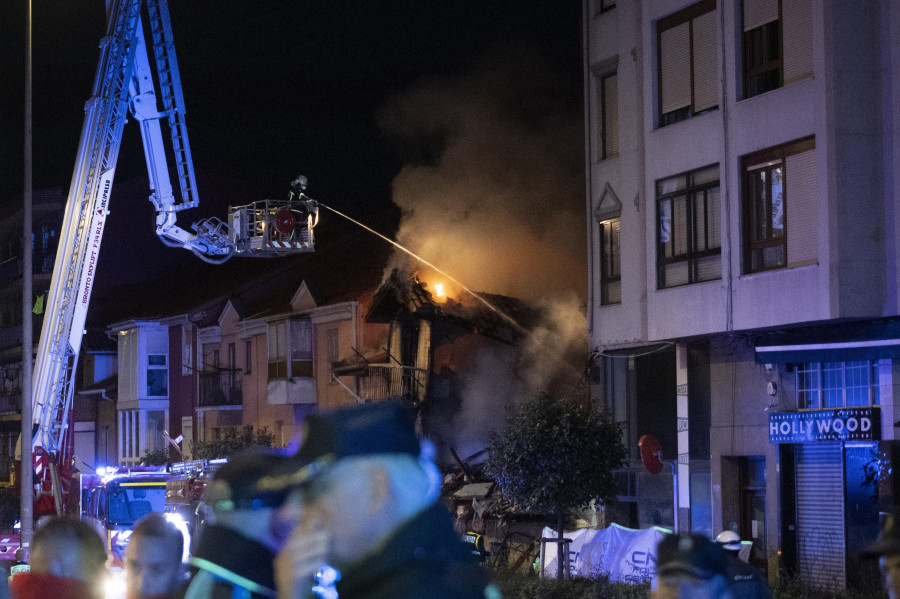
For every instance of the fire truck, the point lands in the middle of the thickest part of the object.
(185, 488)
(116, 499)
(136, 55)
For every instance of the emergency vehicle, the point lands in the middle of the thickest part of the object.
(117, 499)
(185, 488)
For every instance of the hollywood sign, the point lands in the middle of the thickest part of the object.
(846, 424)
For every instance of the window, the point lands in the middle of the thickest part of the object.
(688, 74)
(232, 365)
(157, 375)
(332, 341)
(248, 356)
(156, 424)
(610, 275)
(776, 43)
(607, 214)
(609, 109)
(187, 350)
(822, 385)
(290, 349)
(689, 241)
(780, 189)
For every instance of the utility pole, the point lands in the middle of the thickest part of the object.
(27, 486)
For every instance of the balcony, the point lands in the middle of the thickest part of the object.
(377, 382)
(220, 388)
(10, 401)
(11, 337)
(11, 269)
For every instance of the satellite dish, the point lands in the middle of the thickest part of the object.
(651, 453)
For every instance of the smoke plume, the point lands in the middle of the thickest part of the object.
(493, 194)
(494, 191)
(549, 359)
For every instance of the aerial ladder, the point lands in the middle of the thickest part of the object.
(125, 84)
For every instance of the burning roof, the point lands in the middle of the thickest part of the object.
(497, 316)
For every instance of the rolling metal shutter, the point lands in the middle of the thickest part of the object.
(802, 217)
(759, 12)
(797, 40)
(705, 54)
(821, 552)
(675, 67)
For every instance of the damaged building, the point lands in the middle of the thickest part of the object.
(438, 355)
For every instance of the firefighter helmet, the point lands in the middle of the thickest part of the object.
(729, 540)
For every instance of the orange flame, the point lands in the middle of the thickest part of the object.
(440, 290)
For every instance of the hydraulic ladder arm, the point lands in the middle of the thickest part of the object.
(125, 81)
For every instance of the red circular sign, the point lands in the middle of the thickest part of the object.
(651, 454)
(284, 221)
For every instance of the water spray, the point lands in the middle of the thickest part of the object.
(478, 297)
(496, 310)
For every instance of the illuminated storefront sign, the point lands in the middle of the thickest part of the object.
(845, 424)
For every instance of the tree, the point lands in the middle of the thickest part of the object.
(231, 443)
(553, 455)
(156, 457)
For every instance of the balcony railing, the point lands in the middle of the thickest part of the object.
(376, 382)
(42, 263)
(220, 388)
(12, 336)
(10, 401)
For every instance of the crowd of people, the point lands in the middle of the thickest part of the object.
(354, 513)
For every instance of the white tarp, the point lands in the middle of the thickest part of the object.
(623, 554)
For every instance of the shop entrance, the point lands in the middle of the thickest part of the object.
(836, 509)
(744, 503)
(821, 550)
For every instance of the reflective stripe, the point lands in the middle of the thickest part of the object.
(235, 579)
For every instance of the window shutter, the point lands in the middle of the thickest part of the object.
(706, 93)
(611, 116)
(708, 221)
(675, 73)
(759, 12)
(679, 226)
(613, 292)
(802, 223)
(301, 340)
(821, 554)
(797, 40)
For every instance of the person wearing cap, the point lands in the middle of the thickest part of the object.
(153, 566)
(887, 550)
(234, 554)
(364, 499)
(745, 581)
(690, 567)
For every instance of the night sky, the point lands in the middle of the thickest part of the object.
(282, 88)
(350, 94)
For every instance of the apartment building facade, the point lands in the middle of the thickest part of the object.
(252, 345)
(47, 215)
(743, 288)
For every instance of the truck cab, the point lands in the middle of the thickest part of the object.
(116, 501)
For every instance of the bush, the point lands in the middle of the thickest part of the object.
(156, 457)
(517, 586)
(791, 588)
(233, 442)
